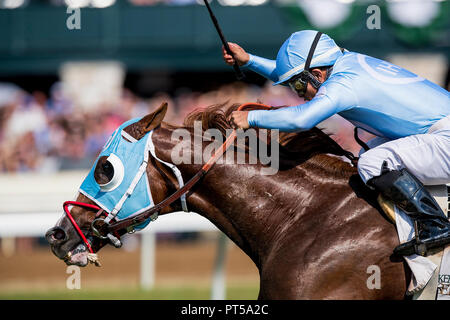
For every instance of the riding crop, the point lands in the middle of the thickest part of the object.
(237, 70)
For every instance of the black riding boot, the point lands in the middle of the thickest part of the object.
(409, 194)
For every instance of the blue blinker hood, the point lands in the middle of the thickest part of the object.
(131, 195)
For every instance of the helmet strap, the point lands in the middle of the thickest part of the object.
(308, 76)
(312, 49)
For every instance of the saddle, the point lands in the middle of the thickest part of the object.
(430, 274)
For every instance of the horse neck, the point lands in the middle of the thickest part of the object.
(224, 197)
(253, 210)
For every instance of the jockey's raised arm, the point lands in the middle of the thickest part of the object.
(262, 66)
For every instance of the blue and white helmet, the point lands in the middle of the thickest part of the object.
(292, 55)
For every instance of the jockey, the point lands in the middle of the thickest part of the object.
(409, 115)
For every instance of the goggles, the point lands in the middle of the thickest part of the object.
(300, 82)
(298, 85)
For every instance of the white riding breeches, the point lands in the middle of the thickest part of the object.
(427, 156)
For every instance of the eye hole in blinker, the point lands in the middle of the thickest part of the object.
(114, 170)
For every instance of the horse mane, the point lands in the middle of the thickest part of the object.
(312, 147)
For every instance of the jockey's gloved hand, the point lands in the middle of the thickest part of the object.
(240, 55)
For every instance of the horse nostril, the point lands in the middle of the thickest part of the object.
(59, 234)
(56, 234)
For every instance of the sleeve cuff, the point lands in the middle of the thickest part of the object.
(251, 118)
(249, 62)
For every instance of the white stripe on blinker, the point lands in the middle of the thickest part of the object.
(127, 136)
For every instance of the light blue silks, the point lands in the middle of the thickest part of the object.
(380, 97)
(135, 180)
(292, 55)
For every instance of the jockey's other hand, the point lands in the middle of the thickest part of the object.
(238, 119)
(240, 55)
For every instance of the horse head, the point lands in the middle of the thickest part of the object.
(105, 189)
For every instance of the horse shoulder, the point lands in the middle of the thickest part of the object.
(332, 247)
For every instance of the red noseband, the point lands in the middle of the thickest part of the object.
(72, 220)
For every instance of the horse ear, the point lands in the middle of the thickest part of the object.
(153, 120)
(139, 129)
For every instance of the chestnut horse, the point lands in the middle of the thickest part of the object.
(313, 229)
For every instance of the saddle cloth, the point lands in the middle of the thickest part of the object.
(430, 278)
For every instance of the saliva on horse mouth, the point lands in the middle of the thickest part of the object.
(79, 249)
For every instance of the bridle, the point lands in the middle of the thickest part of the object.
(110, 229)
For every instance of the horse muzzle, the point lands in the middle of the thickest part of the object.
(71, 252)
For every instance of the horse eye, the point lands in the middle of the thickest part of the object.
(108, 169)
(109, 173)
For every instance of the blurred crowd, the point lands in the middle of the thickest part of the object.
(41, 133)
